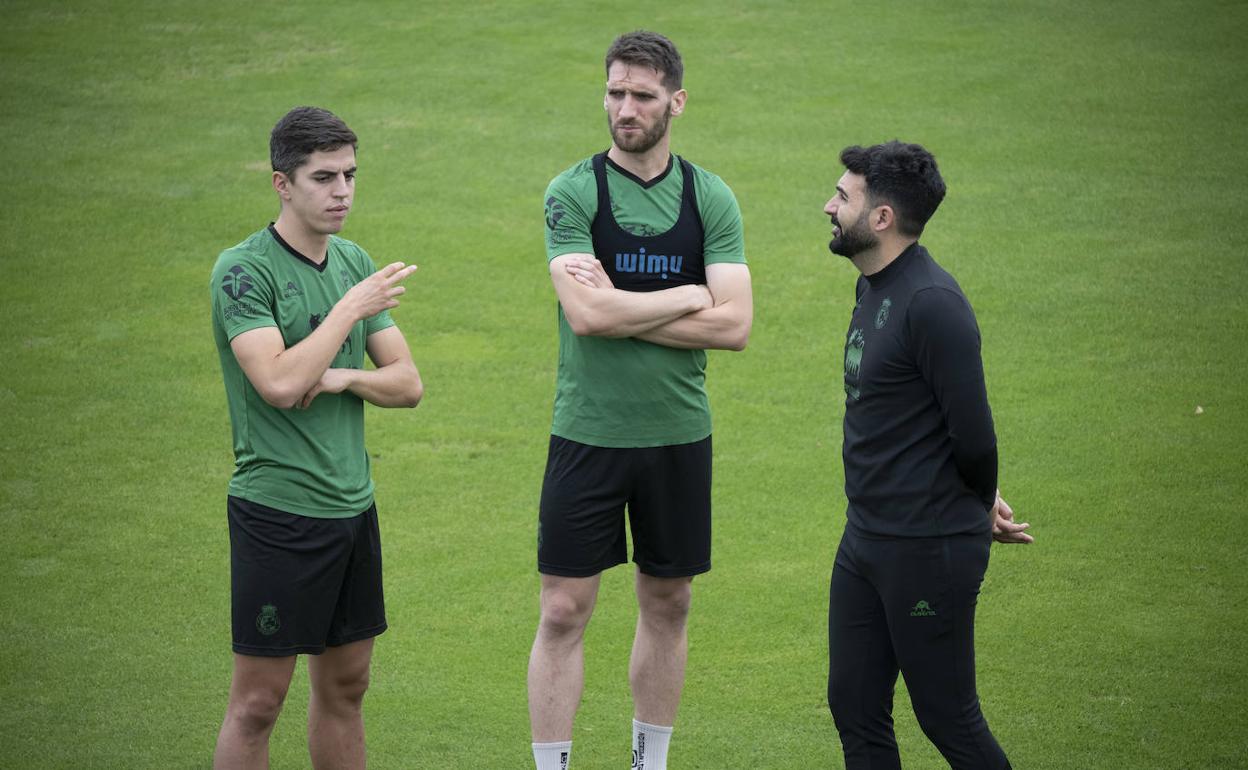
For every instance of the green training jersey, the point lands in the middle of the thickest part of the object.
(310, 461)
(628, 392)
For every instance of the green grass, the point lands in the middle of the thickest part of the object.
(1096, 168)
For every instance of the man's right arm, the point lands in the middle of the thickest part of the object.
(281, 375)
(605, 311)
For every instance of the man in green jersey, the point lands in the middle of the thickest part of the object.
(647, 257)
(294, 309)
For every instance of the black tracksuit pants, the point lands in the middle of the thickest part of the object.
(908, 605)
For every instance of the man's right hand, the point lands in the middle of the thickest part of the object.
(380, 291)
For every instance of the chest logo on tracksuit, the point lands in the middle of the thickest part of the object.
(853, 362)
(641, 262)
(881, 315)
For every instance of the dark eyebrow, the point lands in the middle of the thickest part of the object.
(841, 190)
(634, 91)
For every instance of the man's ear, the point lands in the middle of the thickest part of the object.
(882, 218)
(678, 101)
(281, 183)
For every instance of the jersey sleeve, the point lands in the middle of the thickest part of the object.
(242, 294)
(382, 320)
(570, 209)
(723, 237)
(946, 344)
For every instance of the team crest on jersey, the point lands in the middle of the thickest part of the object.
(291, 290)
(347, 283)
(237, 282)
(315, 319)
(267, 621)
(881, 315)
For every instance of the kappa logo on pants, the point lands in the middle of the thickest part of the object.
(922, 610)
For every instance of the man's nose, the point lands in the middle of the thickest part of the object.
(829, 208)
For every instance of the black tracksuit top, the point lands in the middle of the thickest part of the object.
(920, 451)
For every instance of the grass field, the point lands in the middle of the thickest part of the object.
(1096, 163)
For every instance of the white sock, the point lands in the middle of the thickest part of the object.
(650, 746)
(552, 756)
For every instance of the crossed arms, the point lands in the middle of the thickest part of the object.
(717, 315)
(293, 377)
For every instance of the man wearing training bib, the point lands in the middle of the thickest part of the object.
(647, 256)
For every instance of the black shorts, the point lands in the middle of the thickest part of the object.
(667, 490)
(300, 584)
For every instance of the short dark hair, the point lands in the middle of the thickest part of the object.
(303, 131)
(649, 49)
(904, 176)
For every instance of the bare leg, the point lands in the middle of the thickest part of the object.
(656, 670)
(257, 691)
(339, 678)
(557, 662)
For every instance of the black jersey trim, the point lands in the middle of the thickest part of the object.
(295, 252)
(639, 180)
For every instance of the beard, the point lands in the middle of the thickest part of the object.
(646, 140)
(854, 239)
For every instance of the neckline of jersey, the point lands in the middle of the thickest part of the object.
(671, 163)
(894, 268)
(295, 252)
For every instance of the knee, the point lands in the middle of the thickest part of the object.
(256, 712)
(941, 717)
(341, 695)
(837, 698)
(564, 614)
(350, 691)
(665, 603)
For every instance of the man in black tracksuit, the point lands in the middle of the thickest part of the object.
(920, 475)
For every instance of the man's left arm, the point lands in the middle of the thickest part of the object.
(395, 382)
(724, 326)
(947, 351)
(946, 347)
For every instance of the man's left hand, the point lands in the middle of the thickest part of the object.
(1004, 528)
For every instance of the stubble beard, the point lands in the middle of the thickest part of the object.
(854, 239)
(647, 140)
